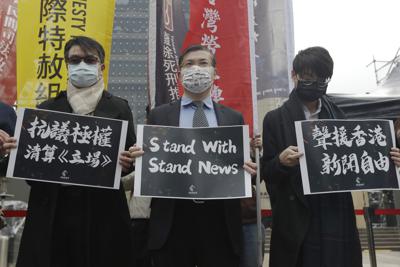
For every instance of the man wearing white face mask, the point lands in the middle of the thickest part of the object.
(81, 226)
(185, 232)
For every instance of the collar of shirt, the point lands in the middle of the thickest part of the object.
(187, 112)
(186, 101)
(312, 116)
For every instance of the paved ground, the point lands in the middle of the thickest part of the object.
(384, 259)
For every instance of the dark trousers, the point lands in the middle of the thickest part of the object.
(140, 231)
(69, 236)
(199, 237)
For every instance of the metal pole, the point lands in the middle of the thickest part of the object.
(260, 251)
(3, 250)
(368, 211)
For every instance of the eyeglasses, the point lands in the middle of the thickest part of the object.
(320, 83)
(89, 59)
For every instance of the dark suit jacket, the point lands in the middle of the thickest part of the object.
(107, 211)
(291, 212)
(7, 118)
(162, 210)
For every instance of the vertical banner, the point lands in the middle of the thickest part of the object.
(274, 48)
(8, 31)
(44, 28)
(167, 29)
(227, 29)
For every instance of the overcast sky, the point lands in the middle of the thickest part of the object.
(353, 31)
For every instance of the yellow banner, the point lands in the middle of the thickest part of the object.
(44, 26)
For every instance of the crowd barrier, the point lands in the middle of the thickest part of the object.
(367, 212)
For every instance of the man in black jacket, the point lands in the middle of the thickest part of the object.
(313, 230)
(69, 225)
(188, 233)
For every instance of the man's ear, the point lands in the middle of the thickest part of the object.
(294, 78)
(215, 73)
(102, 67)
(293, 74)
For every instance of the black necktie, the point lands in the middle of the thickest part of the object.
(199, 120)
(199, 117)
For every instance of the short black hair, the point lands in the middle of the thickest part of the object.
(87, 44)
(314, 60)
(194, 48)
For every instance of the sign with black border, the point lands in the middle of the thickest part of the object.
(193, 163)
(346, 155)
(66, 148)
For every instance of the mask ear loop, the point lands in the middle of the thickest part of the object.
(100, 72)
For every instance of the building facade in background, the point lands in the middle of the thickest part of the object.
(128, 67)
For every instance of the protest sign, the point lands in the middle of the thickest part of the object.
(346, 155)
(197, 163)
(67, 148)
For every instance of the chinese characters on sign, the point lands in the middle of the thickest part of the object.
(170, 52)
(44, 28)
(344, 155)
(66, 134)
(201, 163)
(170, 65)
(51, 40)
(167, 29)
(210, 39)
(64, 148)
(227, 29)
(8, 31)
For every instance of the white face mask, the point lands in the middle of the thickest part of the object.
(197, 79)
(83, 75)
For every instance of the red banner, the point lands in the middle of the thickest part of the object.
(227, 29)
(8, 30)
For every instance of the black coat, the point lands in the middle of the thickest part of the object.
(162, 210)
(291, 212)
(107, 211)
(7, 118)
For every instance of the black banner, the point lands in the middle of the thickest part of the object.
(167, 30)
(346, 155)
(197, 163)
(66, 148)
(274, 48)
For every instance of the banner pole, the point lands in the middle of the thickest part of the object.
(260, 251)
(252, 46)
(368, 212)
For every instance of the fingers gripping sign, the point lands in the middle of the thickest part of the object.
(290, 156)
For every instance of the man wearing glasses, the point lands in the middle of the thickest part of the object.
(81, 226)
(313, 230)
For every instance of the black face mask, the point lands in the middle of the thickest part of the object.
(310, 93)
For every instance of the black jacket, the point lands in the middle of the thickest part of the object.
(162, 210)
(107, 211)
(291, 213)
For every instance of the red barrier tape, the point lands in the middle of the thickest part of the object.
(264, 213)
(14, 213)
(388, 212)
(267, 213)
